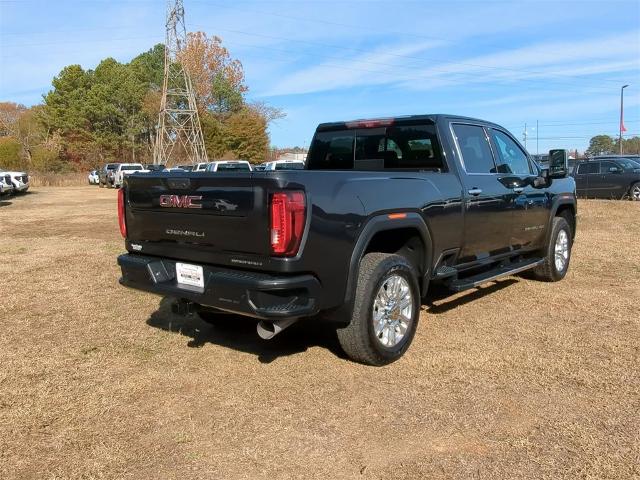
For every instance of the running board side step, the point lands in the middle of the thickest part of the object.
(506, 270)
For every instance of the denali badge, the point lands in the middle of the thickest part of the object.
(185, 233)
(180, 201)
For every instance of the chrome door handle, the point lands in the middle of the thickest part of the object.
(475, 191)
(518, 189)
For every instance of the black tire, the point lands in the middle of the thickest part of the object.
(634, 192)
(358, 339)
(548, 271)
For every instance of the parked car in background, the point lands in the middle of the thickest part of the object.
(125, 169)
(93, 177)
(105, 175)
(229, 166)
(186, 168)
(19, 180)
(6, 187)
(610, 177)
(259, 168)
(284, 165)
(200, 167)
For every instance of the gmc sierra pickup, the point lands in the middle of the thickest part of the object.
(383, 208)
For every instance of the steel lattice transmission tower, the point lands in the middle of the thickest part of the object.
(178, 122)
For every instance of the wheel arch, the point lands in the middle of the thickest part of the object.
(393, 235)
(565, 207)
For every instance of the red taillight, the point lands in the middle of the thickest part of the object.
(287, 222)
(121, 219)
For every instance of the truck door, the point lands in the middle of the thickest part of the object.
(608, 181)
(582, 177)
(488, 212)
(531, 206)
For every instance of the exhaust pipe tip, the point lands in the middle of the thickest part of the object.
(267, 330)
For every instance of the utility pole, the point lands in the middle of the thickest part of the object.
(537, 139)
(622, 129)
(524, 135)
(178, 121)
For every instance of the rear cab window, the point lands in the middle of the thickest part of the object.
(411, 146)
(233, 167)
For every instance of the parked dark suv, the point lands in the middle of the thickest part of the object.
(610, 177)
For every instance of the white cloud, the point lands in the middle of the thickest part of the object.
(559, 62)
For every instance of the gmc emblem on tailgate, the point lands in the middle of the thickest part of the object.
(180, 201)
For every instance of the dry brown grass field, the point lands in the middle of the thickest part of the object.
(517, 379)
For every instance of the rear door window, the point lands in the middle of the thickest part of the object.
(590, 167)
(474, 148)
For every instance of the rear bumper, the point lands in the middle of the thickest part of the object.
(254, 294)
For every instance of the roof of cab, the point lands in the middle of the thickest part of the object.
(386, 121)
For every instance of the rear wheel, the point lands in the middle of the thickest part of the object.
(385, 312)
(634, 192)
(558, 252)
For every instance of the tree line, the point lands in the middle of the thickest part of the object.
(605, 144)
(109, 114)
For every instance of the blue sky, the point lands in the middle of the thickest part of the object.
(560, 63)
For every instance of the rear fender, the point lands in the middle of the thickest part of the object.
(381, 223)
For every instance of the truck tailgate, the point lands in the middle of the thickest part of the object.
(217, 212)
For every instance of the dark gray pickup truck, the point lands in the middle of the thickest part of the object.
(384, 208)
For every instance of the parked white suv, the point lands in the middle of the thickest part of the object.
(229, 166)
(284, 165)
(20, 181)
(6, 186)
(125, 169)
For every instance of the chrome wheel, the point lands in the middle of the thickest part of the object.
(635, 193)
(561, 250)
(392, 311)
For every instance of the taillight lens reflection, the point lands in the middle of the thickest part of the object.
(288, 213)
(121, 220)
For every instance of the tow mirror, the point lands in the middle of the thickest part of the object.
(558, 163)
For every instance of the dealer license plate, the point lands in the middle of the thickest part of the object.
(191, 275)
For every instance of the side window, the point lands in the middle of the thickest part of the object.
(474, 147)
(605, 167)
(592, 167)
(511, 158)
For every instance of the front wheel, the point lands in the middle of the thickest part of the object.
(386, 310)
(634, 192)
(558, 252)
